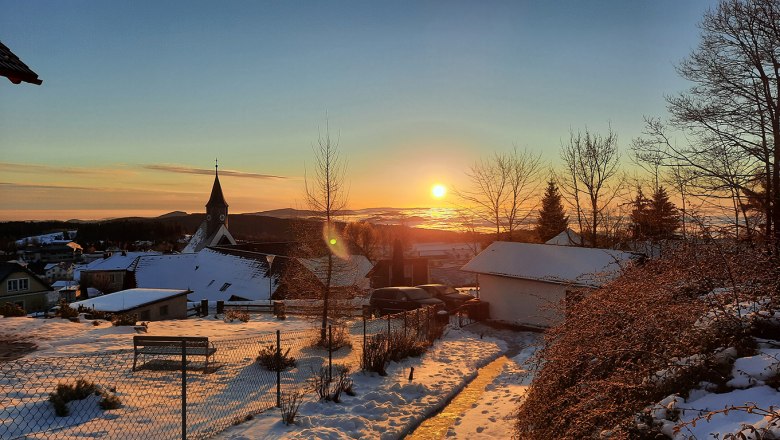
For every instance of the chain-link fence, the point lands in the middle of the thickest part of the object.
(182, 388)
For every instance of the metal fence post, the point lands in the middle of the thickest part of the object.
(278, 369)
(404, 324)
(330, 353)
(184, 390)
(364, 341)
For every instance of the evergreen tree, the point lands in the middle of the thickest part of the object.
(656, 218)
(552, 218)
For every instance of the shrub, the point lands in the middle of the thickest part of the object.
(643, 336)
(290, 403)
(401, 345)
(110, 401)
(272, 360)
(340, 339)
(124, 319)
(10, 310)
(66, 311)
(376, 355)
(236, 315)
(65, 393)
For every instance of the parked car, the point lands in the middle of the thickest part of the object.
(452, 298)
(397, 299)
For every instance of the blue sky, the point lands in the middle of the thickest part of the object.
(416, 91)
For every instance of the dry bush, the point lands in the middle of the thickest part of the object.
(376, 356)
(236, 315)
(637, 340)
(11, 310)
(330, 388)
(336, 339)
(124, 319)
(290, 403)
(401, 345)
(67, 312)
(273, 360)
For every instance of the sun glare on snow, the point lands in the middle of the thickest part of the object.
(439, 191)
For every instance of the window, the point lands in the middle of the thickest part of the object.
(18, 285)
(164, 310)
(224, 287)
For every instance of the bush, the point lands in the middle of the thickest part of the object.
(10, 310)
(65, 393)
(340, 339)
(290, 403)
(273, 361)
(330, 388)
(376, 356)
(401, 345)
(110, 401)
(644, 336)
(67, 312)
(236, 315)
(124, 319)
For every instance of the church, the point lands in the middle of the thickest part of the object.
(214, 229)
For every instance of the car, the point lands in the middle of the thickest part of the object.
(398, 299)
(452, 298)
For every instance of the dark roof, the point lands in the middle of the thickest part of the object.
(216, 194)
(14, 69)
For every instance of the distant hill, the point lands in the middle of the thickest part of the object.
(173, 214)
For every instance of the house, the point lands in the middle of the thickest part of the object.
(54, 251)
(566, 238)
(68, 291)
(146, 304)
(110, 273)
(446, 259)
(59, 271)
(14, 69)
(415, 271)
(526, 283)
(213, 231)
(19, 285)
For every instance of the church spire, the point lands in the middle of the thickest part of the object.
(217, 207)
(216, 199)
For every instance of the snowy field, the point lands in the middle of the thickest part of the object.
(385, 407)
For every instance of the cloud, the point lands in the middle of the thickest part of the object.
(187, 170)
(9, 185)
(45, 169)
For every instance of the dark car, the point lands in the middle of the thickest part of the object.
(451, 297)
(397, 299)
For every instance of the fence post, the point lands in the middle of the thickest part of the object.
(404, 324)
(419, 324)
(388, 325)
(330, 353)
(278, 370)
(364, 341)
(184, 390)
(204, 307)
(220, 307)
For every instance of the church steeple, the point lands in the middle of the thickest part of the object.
(217, 207)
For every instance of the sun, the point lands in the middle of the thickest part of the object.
(438, 191)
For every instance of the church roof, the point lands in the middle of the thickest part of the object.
(216, 194)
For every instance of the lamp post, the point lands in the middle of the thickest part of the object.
(270, 260)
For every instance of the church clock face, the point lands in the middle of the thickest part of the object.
(208, 217)
(222, 217)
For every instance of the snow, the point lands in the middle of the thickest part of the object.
(557, 264)
(117, 261)
(753, 370)
(50, 238)
(384, 407)
(127, 299)
(205, 273)
(565, 238)
(351, 271)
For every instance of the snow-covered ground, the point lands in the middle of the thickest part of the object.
(384, 407)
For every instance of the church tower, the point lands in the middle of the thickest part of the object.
(217, 207)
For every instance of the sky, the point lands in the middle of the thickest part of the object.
(139, 98)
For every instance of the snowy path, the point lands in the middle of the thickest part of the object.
(389, 407)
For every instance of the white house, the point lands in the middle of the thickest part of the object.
(526, 283)
(147, 304)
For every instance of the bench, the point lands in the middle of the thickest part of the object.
(173, 346)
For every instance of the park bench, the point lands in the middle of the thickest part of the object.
(173, 346)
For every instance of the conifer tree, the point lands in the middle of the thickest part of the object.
(641, 221)
(552, 218)
(666, 217)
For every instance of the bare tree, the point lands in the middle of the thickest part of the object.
(499, 189)
(327, 195)
(591, 180)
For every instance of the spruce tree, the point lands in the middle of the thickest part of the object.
(641, 217)
(552, 218)
(665, 216)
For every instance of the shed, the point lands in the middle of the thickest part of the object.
(526, 283)
(147, 304)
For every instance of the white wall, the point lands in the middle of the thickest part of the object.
(524, 302)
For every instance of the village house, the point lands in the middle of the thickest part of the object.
(526, 284)
(146, 304)
(59, 271)
(110, 273)
(20, 286)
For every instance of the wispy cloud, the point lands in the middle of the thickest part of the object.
(31, 168)
(188, 170)
(10, 185)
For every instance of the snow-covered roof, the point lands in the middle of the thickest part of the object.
(349, 272)
(208, 274)
(200, 240)
(128, 299)
(50, 266)
(65, 285)
(566, 238)
(117, 261)
(555, 264)
(48, 238)
(439, 248)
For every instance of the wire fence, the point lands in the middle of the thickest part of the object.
(182, 388)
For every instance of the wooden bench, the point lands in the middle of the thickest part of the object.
(173, 346)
